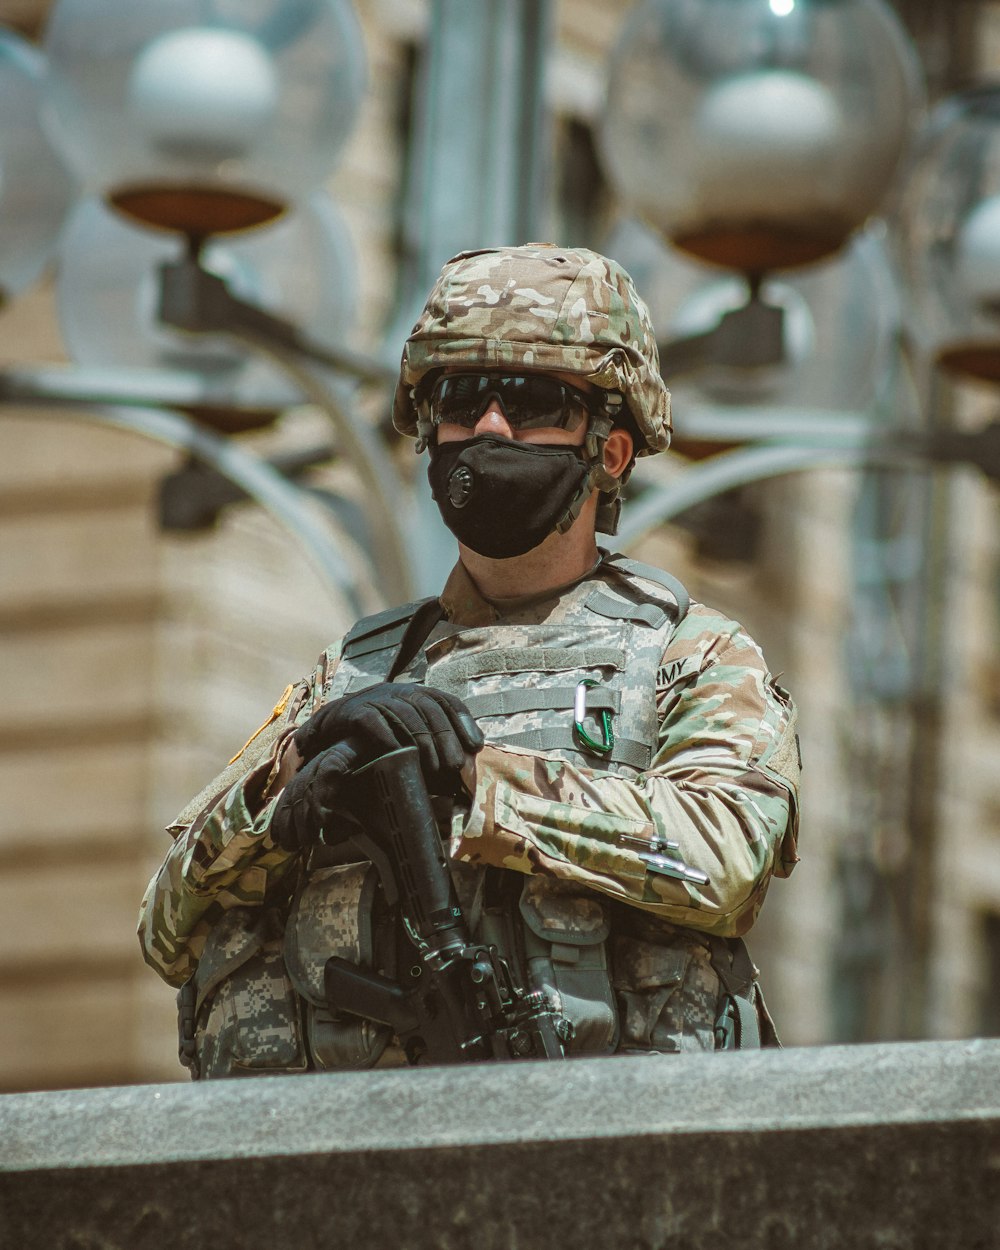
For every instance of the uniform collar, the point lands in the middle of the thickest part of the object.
(464, 604)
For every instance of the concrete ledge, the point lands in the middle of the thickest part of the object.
(892, 1146)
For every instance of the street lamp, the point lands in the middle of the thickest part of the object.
(674, 61)
(200, 116)
(758, 134)
(949, 235)
(204, 120)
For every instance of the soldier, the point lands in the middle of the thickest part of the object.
(628, 766)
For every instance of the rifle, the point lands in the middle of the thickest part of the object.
(463, 1003)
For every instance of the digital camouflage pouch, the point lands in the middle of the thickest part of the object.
(668, 994)
(333, 913)
(247, 1020)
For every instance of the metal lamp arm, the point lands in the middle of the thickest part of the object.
(860, 445)
(976, 447)
(199, 302)
(752, 336)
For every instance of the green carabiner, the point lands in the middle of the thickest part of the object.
(580, 711)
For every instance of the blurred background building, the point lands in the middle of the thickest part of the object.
(833, 386)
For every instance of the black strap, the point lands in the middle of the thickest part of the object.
(427, 615)
(738, 1024)
(389, 641)
(187, 1045)
(380, 624)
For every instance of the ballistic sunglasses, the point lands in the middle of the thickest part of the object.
(529, 401)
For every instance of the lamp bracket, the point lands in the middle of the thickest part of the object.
(196, 301)
(193, 497)
(749, 337)
(980, 448)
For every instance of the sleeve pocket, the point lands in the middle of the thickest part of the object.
(585, 836)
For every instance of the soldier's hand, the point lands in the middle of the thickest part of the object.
(305, 806)
(351, 732)
(392, 715)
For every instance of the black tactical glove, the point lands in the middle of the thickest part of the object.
(351, 732)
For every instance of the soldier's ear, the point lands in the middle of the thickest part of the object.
(618, 451)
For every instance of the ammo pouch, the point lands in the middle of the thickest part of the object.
(256, 1005)
(565, 935)
(668, 991)
(679, 990)
(333, 913)
(239, 1015)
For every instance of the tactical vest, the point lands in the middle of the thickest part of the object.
(522, 682)
(579, 685)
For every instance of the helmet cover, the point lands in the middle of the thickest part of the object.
(546, 308)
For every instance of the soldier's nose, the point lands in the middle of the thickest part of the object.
(493, 421)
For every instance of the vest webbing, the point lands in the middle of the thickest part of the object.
(626, 751)
(508, 674)
(650, 573)
(544, 698)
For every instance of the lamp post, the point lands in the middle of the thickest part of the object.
(208, 123)
(758, 137)
(203, 126)
(948, 233)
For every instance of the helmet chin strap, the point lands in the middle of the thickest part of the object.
(598, 478)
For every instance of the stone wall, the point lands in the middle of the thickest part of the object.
(866, 1146)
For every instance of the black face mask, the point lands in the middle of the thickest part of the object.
(502, 498)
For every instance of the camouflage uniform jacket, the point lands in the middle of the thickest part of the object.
(719, 778)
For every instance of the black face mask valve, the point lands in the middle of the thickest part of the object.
(502, 498)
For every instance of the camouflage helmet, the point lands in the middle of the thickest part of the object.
(544, 307)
